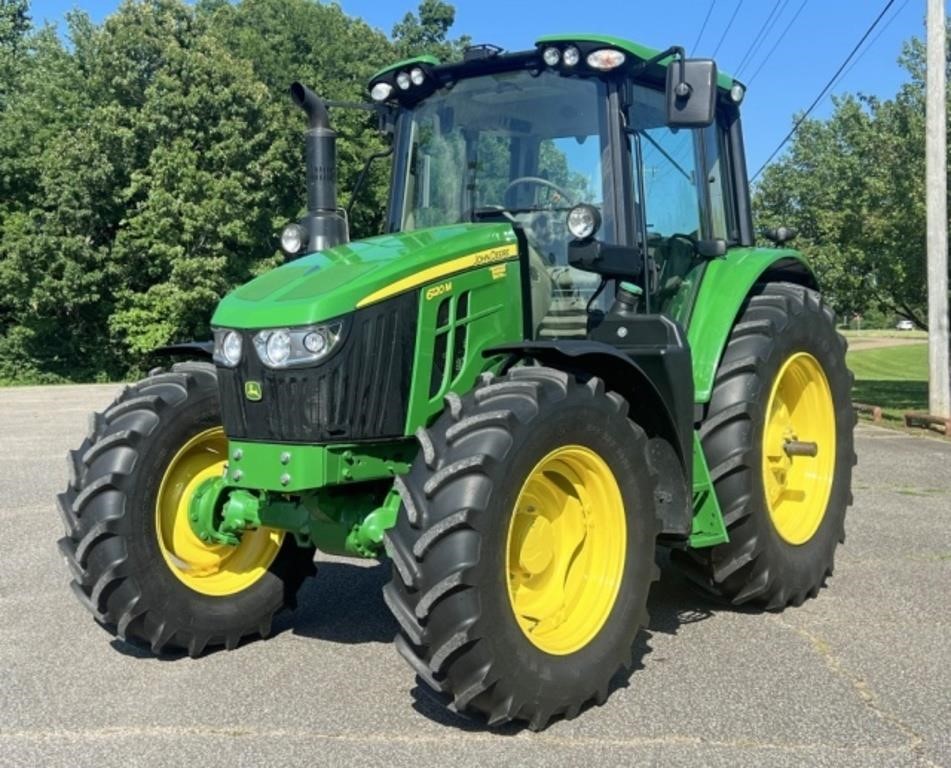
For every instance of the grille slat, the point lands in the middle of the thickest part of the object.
(360, 393)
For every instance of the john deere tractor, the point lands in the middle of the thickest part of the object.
(565, 352)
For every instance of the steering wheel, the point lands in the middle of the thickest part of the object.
(538, 181)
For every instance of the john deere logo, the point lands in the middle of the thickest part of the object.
(252, 390)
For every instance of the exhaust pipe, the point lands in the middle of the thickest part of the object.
(326, 225)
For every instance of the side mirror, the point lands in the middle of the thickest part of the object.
(691, 93)
(618, 262)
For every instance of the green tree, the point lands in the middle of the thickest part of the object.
(147, 163)
(427, 31)
(853, 187)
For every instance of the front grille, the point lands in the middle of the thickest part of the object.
(360, 393)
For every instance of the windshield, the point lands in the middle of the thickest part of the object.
(520, 146)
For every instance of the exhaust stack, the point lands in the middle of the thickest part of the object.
(326, 225)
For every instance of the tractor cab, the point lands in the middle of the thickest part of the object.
(584, 121)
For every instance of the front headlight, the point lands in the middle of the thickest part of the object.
(228, 346)
(287, 347)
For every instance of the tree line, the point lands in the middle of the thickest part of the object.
(147, 162)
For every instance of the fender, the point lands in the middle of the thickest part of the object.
(726, 285)
(201, 350)
(655, 380)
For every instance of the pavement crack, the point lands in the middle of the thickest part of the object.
(868, 697)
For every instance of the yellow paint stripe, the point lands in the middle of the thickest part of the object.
(478, 259)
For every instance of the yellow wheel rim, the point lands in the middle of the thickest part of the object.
(797, 487)
(566, 545)
(211, 569)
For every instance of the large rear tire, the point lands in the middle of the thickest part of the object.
(134, 561)
(524, 551)
(782, 383)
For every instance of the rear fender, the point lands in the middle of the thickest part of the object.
(726, 285)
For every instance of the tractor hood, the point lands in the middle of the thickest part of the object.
(334, 282)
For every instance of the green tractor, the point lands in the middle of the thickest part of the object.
(565, 353)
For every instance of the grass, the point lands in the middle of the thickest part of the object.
(895, 378)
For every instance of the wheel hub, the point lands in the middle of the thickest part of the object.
(206, 565)
(566, 549)
(799, 448)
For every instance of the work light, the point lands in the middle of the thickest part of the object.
(605, 59)
(551, 56)
(417, 76)
(571, 56)
(381, 91)
(403, 81)
(292, 239)
(583, 221)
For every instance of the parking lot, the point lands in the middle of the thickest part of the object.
(860, 676)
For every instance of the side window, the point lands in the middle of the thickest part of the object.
(674, 182)
(718, 182)
(670, 182)
(432, 184)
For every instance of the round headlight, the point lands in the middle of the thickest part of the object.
(381, 91)
(231, 348)
(571, 56)
(583, 221)
(402, 80)
(551, 56)
(278, 347)
(315, 342)
(737, 92)
(292, 239)
(417, 76)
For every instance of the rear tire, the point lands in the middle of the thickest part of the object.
(452, 547)
(769, 561)
(121, 571)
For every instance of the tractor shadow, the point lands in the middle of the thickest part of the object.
(342, 604)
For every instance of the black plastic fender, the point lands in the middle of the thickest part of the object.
(199, 350)
(653, 372)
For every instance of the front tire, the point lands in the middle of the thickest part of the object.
(782, 381)
(135, 563)
(524, 551)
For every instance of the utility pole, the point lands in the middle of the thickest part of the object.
(939, 367)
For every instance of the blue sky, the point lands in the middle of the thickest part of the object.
(815, 45)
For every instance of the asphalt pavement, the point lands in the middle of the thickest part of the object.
(860, 676)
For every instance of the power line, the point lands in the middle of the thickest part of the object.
(704, 25)
(779, 39)
(871, 43)
(728, 25)
(758, 37)
(825, 90)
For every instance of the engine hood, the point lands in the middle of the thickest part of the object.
(332, 283)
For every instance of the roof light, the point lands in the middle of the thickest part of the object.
(737, 92)
(571, 56)
(402, 80)
(381, 91)
(605, 59)
(417, 76)
(551, 56)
